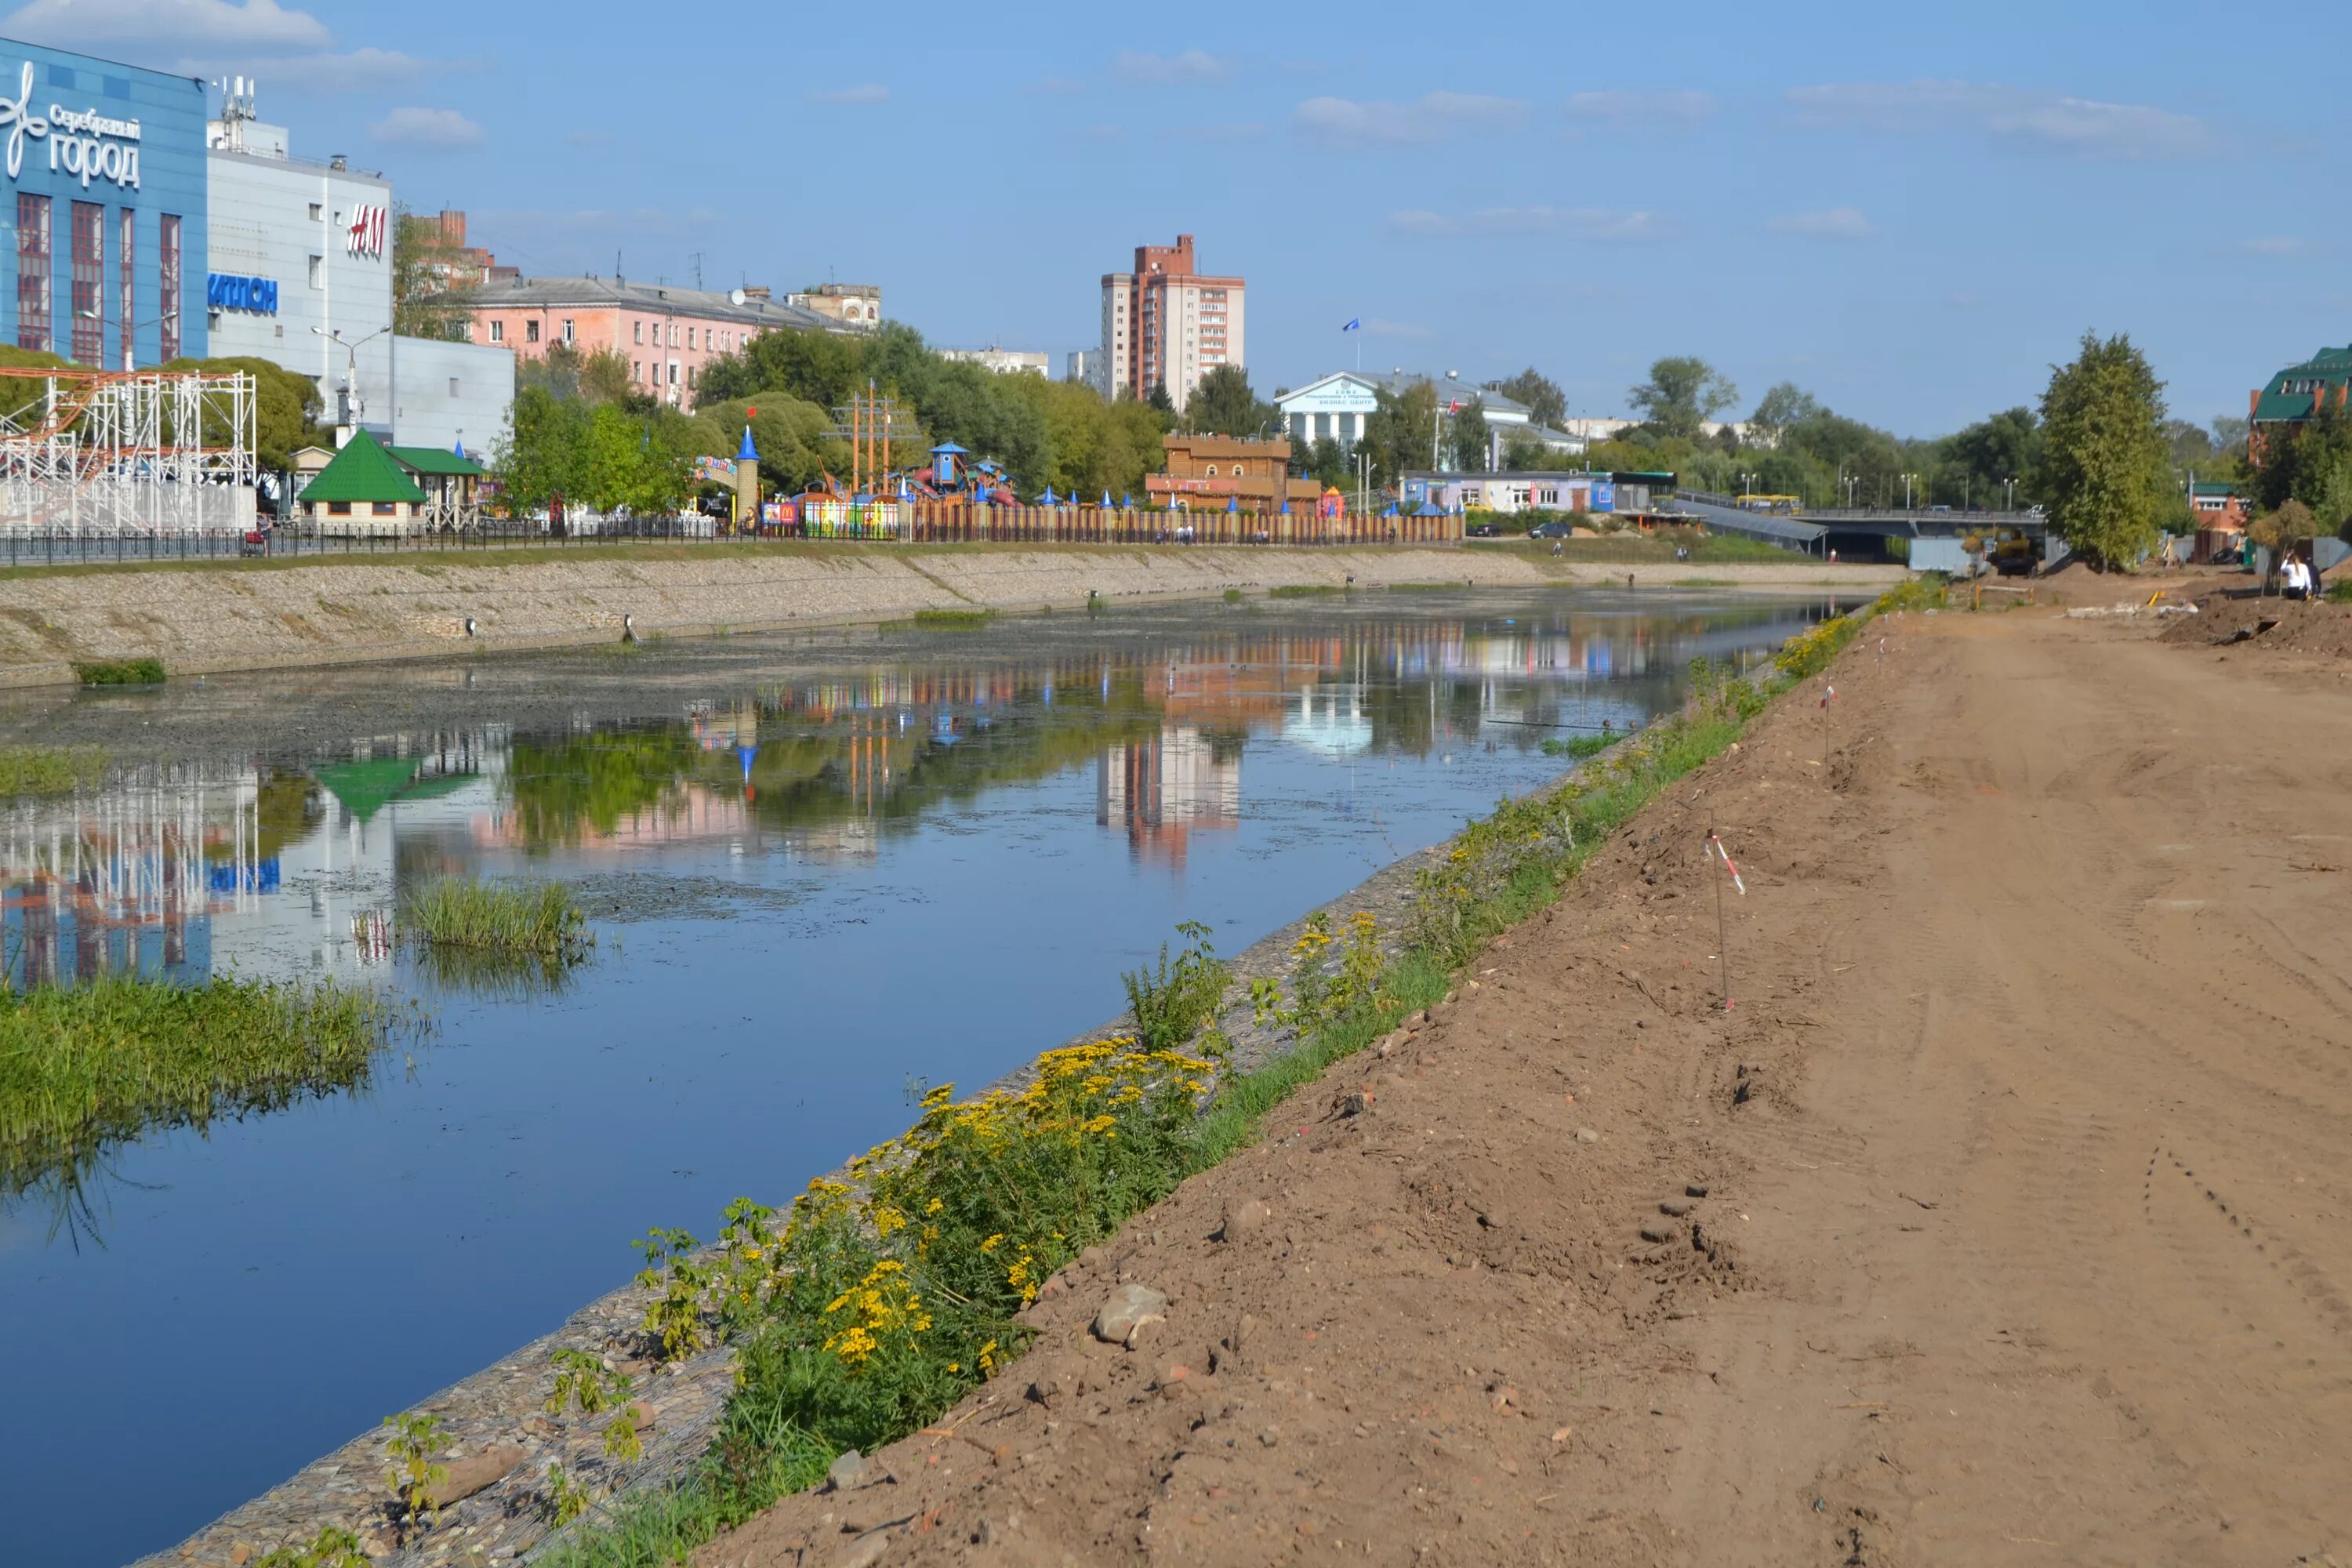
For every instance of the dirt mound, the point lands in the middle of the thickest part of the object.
(2296, 627)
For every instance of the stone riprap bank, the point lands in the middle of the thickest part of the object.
(201, 620)
(197, 620)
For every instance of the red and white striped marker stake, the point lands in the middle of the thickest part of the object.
(1829, 694)
(1714, 850)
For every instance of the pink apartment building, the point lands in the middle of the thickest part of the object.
(667, 335)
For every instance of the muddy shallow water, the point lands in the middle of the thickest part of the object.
(825, 872)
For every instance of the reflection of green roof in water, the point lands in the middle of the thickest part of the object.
(366, 788)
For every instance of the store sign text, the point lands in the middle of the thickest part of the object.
(82, 141)
(225, 291)
(366, 236)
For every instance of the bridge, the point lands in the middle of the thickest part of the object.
(1858, 532)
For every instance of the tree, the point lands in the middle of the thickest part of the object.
(1547, 403)
(1162, 404)
(2314, 466)
(1786, 405)
(1223, 404)
(2104, 463)
(1993, 451)
(1398, 431)
(1684, 393)
(597, 377)
(286, 407)
(431, 282)
(1467, 437)
(1522, 454)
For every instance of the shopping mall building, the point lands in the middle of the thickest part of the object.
(147, 229)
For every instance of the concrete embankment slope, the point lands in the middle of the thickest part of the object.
(267, 615)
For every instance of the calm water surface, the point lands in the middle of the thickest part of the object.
(823, 877)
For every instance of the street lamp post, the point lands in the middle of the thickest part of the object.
(2009, 493)
(1906, 490)
(350, 365)
(129, 362)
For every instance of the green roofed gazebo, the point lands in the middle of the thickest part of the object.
(364, 490)
(452, 483)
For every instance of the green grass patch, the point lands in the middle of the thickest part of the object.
(879, 1301)
(2340, 592)
(1303, 591)
(1579, 746)
(49, 770)
(1427, 587)
(537, 920)
(85, 1068)
(1233, 595)
(120, 672)
(952, 620)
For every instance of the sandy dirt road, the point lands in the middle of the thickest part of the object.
(2026, 1155)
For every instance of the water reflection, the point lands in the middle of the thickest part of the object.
(823, 875)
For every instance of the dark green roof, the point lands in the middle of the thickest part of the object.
(363, 471)
(435, 461)
(2289, 393)
(2205, 489)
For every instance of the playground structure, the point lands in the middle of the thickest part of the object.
(92, 454)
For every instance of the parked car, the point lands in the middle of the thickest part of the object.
(1554, 529)
(1484, 531)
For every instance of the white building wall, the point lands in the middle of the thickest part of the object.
(288, 221)
(449, 392)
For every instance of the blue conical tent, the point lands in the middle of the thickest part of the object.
(1047, 499)
(1127, 500)
(1233, 503)
(749, 454)
(459, 447)
(1106, 500)
(1286, 505)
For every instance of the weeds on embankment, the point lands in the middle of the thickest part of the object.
(49, 770)
(104, 1061)
(877, 1302)
(533, 920)
(120, 672)
(1579, 746)
(1303, 591)
(952, 620)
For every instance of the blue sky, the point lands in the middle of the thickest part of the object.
(1907, 213)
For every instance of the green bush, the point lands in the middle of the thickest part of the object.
(120, 672)
(952, 620)
(541, 920)
(49, 770)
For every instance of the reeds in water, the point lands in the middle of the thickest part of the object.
(537, 920)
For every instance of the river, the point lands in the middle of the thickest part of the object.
(825, 873)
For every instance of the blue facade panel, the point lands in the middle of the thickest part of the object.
(67, 142)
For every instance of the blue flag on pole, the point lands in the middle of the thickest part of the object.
(1353, 323)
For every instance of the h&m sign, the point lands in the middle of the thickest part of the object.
(225, 291)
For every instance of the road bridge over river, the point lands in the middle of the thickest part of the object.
(1858, 533)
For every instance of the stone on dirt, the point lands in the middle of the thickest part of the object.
(846, 1471)
(476, 1473)
(1244, 1216)
(1129, 1308)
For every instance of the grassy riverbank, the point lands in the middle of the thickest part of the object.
(872, 1306)
(85, 1068)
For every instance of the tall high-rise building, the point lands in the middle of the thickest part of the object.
(1165, 324)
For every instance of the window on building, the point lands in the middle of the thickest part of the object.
(89, 296)
(452, 386)
(318, 211)
(168, 292)
(641, 332)
(127, 289)
(318, 272)
(530, 331)
(689, 378)
(497, 332)
(636, 370)
(567, 329)
(673, 373)
(338, 509)
(386, 508)
(1212, 470)
(32, 272)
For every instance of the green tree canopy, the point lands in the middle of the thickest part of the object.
(1684, 393)
(1993, 451)
(2312, 465)
(2105, 467)
(286, 407)
(1547, 403)
(1223, 404)
(1467, 437)
(1398, 432)
(430, 285)
(1785, 404)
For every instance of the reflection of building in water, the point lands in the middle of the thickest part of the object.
(1160, 790)
(130, 878)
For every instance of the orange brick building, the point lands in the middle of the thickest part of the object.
(1203, 471)
(1168, 324)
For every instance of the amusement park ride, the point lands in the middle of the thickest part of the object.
(116, 454)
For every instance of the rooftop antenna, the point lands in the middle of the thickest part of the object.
(696, 259)
(619, 277)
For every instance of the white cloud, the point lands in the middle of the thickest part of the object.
(866, 92)
(1512, 223)
(1192, 65)
(2021, 117)
(1435, 117)
(2275, 244)
(166, 24)
(437, 129)
(1832, 223)
(1684, 107)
